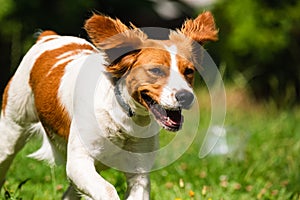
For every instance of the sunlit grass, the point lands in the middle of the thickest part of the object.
(268, 169)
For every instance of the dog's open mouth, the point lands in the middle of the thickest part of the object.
(170, 120)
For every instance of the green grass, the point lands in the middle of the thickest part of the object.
(268, 169)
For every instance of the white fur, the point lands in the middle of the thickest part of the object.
(48, 151)
(175, 83)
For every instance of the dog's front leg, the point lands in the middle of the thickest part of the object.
(138, 187)
(82, 172)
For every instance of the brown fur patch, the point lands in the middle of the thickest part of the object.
(121, 65)
(5, 97)
(153, 56)
(46, 33)
(141, 79)
(45, 82)
(107, 33)
(201, 29)
(186, 68)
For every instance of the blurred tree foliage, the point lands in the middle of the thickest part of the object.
(260, 46)
(259, 39)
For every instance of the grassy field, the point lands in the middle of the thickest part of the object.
(266, 166)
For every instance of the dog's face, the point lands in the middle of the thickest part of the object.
(159, 74)
(161, 81)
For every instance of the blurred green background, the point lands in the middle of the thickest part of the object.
(258, 48)
(257, 53)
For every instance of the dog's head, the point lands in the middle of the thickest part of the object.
(158, 74)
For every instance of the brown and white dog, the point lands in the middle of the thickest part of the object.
(153, 81)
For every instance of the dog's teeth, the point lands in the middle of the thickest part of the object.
(170, 121)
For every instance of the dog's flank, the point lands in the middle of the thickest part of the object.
(144, 88)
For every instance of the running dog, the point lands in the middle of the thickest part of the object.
(146, 85)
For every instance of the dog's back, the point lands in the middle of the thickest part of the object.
(38, 77)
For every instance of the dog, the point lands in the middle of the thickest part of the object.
(147, 84)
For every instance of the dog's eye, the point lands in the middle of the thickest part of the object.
(188, 71)
(157, 71)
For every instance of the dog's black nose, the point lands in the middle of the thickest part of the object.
(184, 98)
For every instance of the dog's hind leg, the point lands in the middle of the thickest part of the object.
(18, 114)
(12, 139)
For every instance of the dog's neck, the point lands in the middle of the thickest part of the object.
(134, 111)
(122, 102)
(127, 103)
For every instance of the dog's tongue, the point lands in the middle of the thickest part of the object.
(172, 119)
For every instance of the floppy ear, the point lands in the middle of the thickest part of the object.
(201, 29)
(122, 64)
(107, 33)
